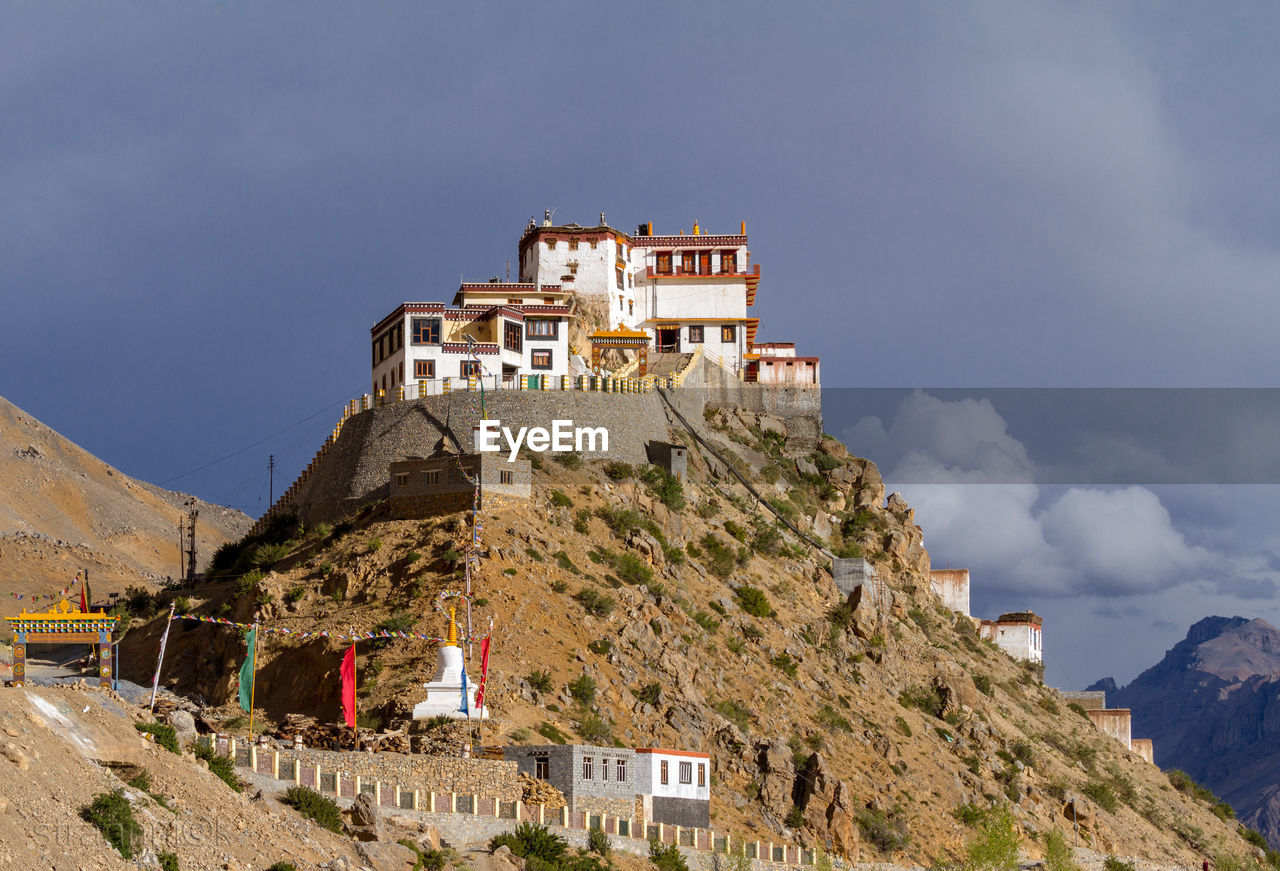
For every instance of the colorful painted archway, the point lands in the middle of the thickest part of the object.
(620, 339)
(62, 625)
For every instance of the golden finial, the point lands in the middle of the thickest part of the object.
(452, 640)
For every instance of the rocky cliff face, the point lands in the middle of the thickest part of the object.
(1212, 707)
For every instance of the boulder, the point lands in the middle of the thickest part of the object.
(1078, 809)
(955, 687)
(864, 618)
(184, 725)
(504, 859)
(364, 819)
(382, 856)
(805, 467)
(778, 776)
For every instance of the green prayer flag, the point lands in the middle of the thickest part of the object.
(246, 673)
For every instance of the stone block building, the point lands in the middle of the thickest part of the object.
(672, 459)
(647, 785)
(439, 485)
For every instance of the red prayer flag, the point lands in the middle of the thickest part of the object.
(84, 599)
(484, 671)
(348, 672)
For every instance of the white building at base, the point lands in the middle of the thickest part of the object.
(675, 785)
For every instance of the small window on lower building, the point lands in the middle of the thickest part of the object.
(540, 360)
(586, 767)
(431, 479)
(663, 777)
(622, 771)
(506, 477)
(695, 335)
(604, 769)
(542, 767)
(424, 368)
(702, 774)
(728, 334)
(686, 772)
(402, 479)
(470, 367)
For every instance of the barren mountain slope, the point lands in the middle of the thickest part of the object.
(63, 509)
(829, 721)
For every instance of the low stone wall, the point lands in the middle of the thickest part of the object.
(1090, 700)
(472, 818)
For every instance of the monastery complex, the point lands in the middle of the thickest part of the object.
(641, 293)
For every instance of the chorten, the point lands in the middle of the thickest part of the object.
(444, 692)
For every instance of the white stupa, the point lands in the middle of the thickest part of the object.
(444, 693)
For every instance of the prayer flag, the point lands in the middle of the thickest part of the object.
(464, 707)
(246, 673)
(484, 672)
(84, 596)
(348, 672)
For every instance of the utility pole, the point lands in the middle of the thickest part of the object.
(192, 514)
(271, 480)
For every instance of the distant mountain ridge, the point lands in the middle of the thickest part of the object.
(1212, 707)
(62, 509)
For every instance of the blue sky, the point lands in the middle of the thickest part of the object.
(203, 208)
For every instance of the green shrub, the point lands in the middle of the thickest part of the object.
(247, 583)
(540, 680)
(569, 460)
(631, 569)
(314, 806)
(926, 699)
(583, 689)
(222, 767)
(596, 603)
(1101, 795)
(754, 601)
(295, 594)
(598, 842)
(283, 866)
(164, 734)
(581, 520)
(733, 711)
(267, 555)
(833, 719)
(666, 858)
(552, 734)
(903, 726)
(558, 586)
(182, 605)
(1079, 709)
(402, 622)
(795, 817)
(563, 561)
(969, 814)
(785, 663)
(601, 647)
(112, 815)
(665, 486)
(142, 782)
(618, 471)
(706, 621)
(721, 559)
(995, 845)
(560, 500)
(650, 693)
(595, 729)
(1111, 863)
(530, 841)
(375, 545)
(1058, 855)
(168, 861)
(983, 683)
(886, 830)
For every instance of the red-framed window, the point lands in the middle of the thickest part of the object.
(426, 331)
(664, 263)
(512, 336)
(540, 360)
(424, 369)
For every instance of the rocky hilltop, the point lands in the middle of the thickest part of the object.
(629, 608)
(1212, 707)
(64, 510)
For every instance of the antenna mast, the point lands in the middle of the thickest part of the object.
(192, 514)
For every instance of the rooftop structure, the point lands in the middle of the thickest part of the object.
(1017, 634)
(952, 587)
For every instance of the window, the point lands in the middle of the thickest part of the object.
(728, 261)
(695, 335)
(688, 263)
(542, 767)
(686, 772)
(424, 368)
(604, 769)
(728, 334)
(548, 300)
(631, 306)
(618, 272)
(586, 767)
(513, 301)
(702, 774)
(593, 244)
(470, 367)
(662, 773)
(664, 263)
(402, 479)
(540, 360)
(622, 771)
(512, 336)
(573, 244)
(431, 479)
(542, 328)
(506, 477)
(619, 300)
(551, 244)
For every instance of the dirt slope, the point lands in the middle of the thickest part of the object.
(63, 509)
(831, 722)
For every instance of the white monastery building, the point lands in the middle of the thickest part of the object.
(1017, 634)
(685, 292)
